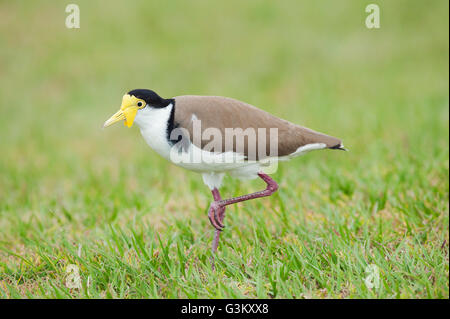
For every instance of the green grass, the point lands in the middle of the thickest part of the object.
(137, 227)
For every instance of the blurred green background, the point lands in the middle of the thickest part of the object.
(64, 181)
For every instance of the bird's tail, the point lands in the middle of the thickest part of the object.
(339, 146)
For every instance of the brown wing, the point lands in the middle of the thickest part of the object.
(219, 113)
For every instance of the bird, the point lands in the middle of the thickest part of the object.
(215, 136)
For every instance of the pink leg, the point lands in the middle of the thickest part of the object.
(221, 214)
(216, 212)
(215, 243)
(217, 208)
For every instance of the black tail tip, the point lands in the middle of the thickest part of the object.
(339, 146)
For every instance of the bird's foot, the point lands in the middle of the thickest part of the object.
(216, 215)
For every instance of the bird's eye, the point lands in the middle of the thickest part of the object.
(140, 104)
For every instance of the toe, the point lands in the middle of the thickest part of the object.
(213, 219)
(217, 214)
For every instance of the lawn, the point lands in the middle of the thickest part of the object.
(136, 226)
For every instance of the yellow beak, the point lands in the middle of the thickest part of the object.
(119, 116)
(127, 112)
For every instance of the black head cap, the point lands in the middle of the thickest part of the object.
(150, 97)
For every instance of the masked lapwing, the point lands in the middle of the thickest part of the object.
(215, 136)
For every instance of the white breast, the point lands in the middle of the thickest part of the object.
(153, 125)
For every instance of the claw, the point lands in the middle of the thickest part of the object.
(218, 219)
(217, 210)
(213, 219)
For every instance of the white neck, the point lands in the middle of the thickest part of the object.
(153, 125)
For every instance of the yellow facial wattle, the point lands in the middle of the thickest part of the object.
(127, 112)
